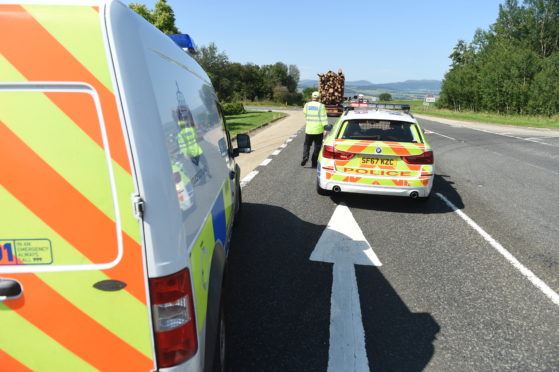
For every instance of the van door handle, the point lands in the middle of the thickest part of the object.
(10, 289)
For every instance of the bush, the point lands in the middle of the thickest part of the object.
(233, 108)
(385, 97)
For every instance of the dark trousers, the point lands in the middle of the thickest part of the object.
(309, 139)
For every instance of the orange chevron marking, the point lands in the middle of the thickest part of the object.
(86, 338)
(8, 363)
(67, 211)
(48, 60)
(356, 149)
(398, 149)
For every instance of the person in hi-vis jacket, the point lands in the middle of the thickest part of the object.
(315, 120)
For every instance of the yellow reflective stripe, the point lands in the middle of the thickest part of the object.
(78, 29)
(119, 311)
(78, 158)
(8, 72)
(32, 347)
(200, 259)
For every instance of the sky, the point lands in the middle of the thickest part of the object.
(379, 41)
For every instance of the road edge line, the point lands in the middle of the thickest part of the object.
(540, 284)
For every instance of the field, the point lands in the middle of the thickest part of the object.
(485, 117)
(252, 119)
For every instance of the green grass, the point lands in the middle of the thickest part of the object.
(252, 119)
(485, 117)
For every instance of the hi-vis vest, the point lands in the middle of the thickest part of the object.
(188, 143)
(316, 119)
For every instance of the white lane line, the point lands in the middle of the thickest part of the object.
(248, 178)
(515, 137)
(253, 174)
(442, 135)
(550, 293)
(265, 162)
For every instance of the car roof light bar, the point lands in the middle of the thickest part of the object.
(185, 42)
(377, 106)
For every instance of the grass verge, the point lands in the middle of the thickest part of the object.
(251, 120)
(484, 117)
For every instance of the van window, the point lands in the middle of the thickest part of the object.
(194, 135)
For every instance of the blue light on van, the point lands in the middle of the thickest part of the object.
(184, 41)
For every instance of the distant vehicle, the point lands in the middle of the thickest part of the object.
(119, 191)
(374, 150)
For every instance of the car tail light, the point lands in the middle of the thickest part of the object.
(330, 152)
(173, 316)
(426, 158)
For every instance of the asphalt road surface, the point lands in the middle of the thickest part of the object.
(446, 297)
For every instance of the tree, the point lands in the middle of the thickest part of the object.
(385, 97)
(512, 67)
(215, 64)
(293, 75)
(142, 10)
(281, 93)
(307, 93)
(162, 16)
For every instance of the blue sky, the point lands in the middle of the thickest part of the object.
(379, 41)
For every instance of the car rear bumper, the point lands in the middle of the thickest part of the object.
(331, 185)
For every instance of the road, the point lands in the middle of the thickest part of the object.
(453, 292)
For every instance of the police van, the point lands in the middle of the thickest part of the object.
(118, 193)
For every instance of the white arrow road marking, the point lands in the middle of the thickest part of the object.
(343, 244)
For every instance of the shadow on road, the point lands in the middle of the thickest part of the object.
(442, 184)
(278, 302)
(396, 338)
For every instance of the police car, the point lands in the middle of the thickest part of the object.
(376, 149)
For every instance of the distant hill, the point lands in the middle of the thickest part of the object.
(409, 89)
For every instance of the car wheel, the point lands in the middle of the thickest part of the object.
(320, 190)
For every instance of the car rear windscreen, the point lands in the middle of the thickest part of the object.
(378, 130)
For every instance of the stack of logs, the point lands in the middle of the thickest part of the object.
(331, 87)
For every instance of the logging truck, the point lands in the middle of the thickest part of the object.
(331, 88)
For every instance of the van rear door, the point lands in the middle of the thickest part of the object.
(68, 234)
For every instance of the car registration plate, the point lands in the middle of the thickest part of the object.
(378, 161)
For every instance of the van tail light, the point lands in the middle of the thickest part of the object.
(330, 152)
(426, 158)
(173, 317)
